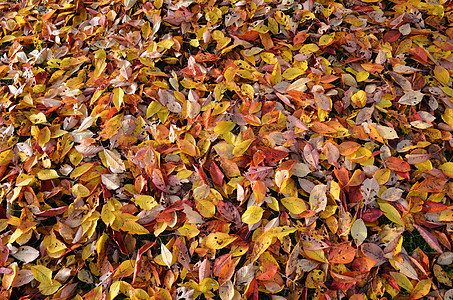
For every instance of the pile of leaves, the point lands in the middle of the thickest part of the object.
(228, 149)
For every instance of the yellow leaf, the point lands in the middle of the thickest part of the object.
(326, 39)
(220, 108)
(282, 231)
(447, 169)
(362, 76)
(391, 213)
(24, 179)
(153, 108)
(421, 289)
(6, 157)
(107, 215)
(261, 244)
(248, 90)
(317, 255)
(224, 127)
(138, 294)
(41, 273)
(100, 244)
(205, 207)
(49, 288)
(261, 28)
(80, 190)
(38, 118)
(252, 215)
(134, 228)
(114, 290)
(442, 75)
(268, 58)
(43, 136)
(382, 176)
(208, 284)
(276, 75)
(125, 269)
(402, 281)
(309, 48)
(241, 147)
(7, 38)
(167, 43)
(189, 230)
(118, 97)
(14, 279)
(294, 205)
(335, 190)
(145, 202)
(82, 169)
(218, 240)
(359, 99)
(292, 73)
(47, 174)
(55, 248)
(447, 90)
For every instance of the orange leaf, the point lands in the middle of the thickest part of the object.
(397, 164)
(432, 185)
(259, 189)
(363, 264)
(300, 38)
(227, 270)
(342, 254)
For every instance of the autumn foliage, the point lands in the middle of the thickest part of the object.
(203, 149)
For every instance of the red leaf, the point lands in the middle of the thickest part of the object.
(183, 254)
(229, 211)
(391, 36)
(429, 238)
(158, 180)
(4, 253)
(118, 238)
(371, 215)
(52, 212)
(216, 173)
(430, 206)
(220, 262)
(273, 155)
(391, 281)
(140, 253)
(419, 54)
(252, 291)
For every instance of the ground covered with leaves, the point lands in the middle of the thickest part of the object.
(226, 149)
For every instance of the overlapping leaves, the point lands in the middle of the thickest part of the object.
(185, 149)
